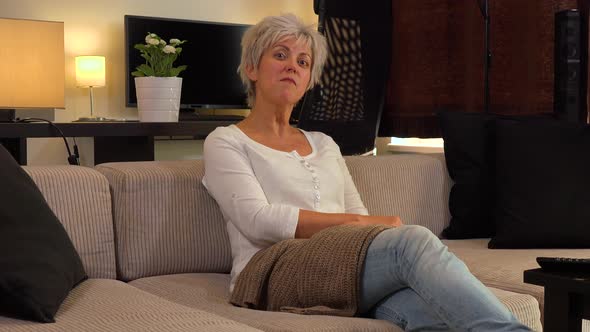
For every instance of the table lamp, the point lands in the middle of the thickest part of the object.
(90, 73)
(32, 69)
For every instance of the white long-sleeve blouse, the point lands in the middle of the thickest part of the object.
(260, 190)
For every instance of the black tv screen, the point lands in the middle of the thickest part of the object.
(211, 53)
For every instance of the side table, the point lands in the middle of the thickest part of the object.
(567, 298)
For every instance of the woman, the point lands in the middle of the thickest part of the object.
(275, 182)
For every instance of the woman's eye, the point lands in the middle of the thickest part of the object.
(303, 63)
(280, 55)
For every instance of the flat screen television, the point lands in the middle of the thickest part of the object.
(212, 55)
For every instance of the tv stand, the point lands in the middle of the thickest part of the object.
(113, 141)
(192, 115)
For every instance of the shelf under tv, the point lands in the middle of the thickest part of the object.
(195, 116)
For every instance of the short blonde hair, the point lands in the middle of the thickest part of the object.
(267, 33)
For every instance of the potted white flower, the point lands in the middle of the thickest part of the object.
(157, 84)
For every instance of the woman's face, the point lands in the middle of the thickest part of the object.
(283, 72)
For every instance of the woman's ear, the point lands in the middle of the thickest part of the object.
(252, 73)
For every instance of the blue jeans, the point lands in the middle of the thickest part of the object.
(411, 280)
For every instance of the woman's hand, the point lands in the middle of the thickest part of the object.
(311, 222)
(394, 221)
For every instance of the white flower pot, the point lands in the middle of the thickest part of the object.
(158, 98)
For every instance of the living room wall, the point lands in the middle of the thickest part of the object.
(96, 28)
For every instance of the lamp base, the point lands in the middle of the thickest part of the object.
(95, 119)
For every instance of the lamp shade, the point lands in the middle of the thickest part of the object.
(90, 71)
(32, 66)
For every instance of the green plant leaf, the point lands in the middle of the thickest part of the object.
(175, 71)
(146, 70)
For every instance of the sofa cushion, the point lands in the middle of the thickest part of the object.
(38, 262)
(80, 198)
(414, 187)
(525, 307)
(165, 221)
(111, 305)
(187, 229)
(469, 156)
(542, 181)
(504, 268)
(210, 292)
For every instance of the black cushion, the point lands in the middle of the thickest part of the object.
(542, 185)
(469, 157)
(38, 262)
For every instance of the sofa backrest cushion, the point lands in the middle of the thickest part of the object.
(413, 186)
(165, 221)
(80, 198)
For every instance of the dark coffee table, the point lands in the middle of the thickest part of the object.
(567, 298)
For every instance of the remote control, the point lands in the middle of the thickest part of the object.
(564, 264)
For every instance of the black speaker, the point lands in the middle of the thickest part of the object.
(571, 63)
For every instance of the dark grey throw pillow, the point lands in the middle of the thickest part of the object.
(38, 262)
(469, 157)
(542, 185)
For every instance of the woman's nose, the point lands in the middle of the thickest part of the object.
(291, 66)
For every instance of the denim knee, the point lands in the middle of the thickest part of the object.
(418, 233)
(414, 237)
(408, 239)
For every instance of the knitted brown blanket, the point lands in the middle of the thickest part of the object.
(316, 276)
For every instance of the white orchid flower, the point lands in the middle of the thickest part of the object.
(150, 36)
(153, 41)
(174, 41)
(169, 49)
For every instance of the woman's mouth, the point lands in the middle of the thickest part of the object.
(290, 80)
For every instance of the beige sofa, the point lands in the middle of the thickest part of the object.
(154, 245)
